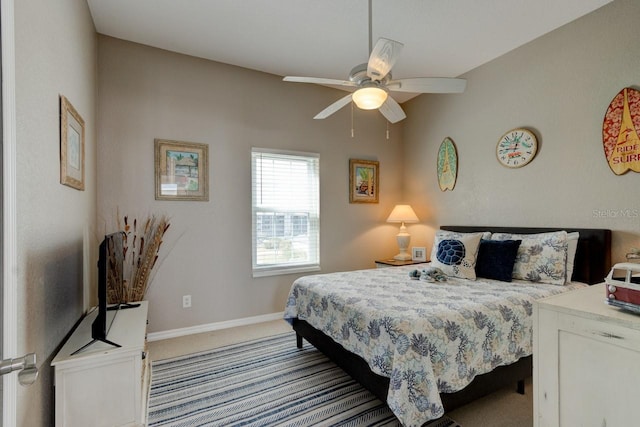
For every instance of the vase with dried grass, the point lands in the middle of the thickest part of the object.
(140, 247)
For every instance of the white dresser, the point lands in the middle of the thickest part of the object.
(586, 362)
(104, 385)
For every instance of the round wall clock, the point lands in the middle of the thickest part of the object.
(516, 148)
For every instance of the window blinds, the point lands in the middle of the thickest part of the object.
(285, 211)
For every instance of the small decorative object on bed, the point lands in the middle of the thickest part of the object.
(71, 146)
(364, 181)
(433, 274)
(182, 170)
(516, 148)
(620, 132)
(402, 214)
(447, 166)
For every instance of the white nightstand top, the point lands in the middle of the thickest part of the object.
(590, 303)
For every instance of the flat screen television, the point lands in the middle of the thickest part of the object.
(110, 272)
(110, 264)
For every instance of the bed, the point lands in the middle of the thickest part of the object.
(404, 360)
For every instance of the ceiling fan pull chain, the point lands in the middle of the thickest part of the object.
(387, 129)
(352, 133)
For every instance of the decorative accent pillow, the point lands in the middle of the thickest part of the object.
(496, 259)
(455, 253)
(572, 241)
(541, 257)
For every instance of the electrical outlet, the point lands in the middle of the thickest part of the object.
(186, 301)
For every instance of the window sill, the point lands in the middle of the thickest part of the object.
(278, 271)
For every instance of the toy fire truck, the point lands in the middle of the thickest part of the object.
(623, 286)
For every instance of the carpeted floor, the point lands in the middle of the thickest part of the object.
(504, 408)
(263, 382)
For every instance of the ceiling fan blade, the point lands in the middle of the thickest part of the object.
(428, 85)
(333, 107)
(392, 111)
(319, 81)
(383, 56)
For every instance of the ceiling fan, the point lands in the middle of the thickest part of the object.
(372, 82)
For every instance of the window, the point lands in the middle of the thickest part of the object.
(285, 211)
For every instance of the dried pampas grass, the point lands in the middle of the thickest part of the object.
(141, 245)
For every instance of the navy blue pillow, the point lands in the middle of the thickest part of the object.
(496, 259)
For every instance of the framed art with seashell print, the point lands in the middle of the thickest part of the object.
(71, 146)
(181, 170)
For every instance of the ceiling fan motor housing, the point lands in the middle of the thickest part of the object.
(358, 75)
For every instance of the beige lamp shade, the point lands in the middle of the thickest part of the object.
(402, 214)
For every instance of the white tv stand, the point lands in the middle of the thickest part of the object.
(104, 385)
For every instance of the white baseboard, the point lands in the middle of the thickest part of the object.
(174, 333)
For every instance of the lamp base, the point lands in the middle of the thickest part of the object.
(403, 256)
(403, 239)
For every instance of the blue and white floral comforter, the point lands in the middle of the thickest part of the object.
(428, 338)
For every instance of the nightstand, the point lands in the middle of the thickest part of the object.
(384, 263)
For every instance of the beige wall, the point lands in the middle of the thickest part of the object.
(559, 85)
(55, 46)
(146, 93)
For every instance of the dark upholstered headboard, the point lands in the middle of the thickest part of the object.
(593, 256)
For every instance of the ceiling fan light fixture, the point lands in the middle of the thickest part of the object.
(369, 98)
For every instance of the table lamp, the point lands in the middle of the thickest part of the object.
(402, 214)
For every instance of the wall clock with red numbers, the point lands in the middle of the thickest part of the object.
(517, 148)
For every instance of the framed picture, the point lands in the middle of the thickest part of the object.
(418, 253)
(181, 170)
(71, 146)
(363, 181)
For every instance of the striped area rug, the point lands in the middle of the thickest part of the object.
(265, 382)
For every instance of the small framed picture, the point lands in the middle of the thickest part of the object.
(181, 170)
(418, 253)
(363, 181)
(71, 146)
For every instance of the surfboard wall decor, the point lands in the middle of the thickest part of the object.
(447, 165)
(620, 132)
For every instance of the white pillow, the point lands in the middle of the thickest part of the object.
(572, 242)
(541, 257)
(456, 253)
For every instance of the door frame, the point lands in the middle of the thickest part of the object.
(9, 224)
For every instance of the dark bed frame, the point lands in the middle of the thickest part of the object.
(592, 263)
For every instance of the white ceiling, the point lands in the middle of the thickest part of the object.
(326, 38)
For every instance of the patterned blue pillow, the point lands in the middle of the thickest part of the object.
(455, 253)
(541, 257)
(496, 259)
